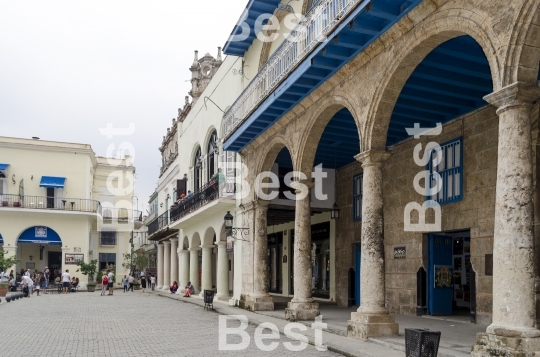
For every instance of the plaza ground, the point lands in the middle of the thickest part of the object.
(125, 324)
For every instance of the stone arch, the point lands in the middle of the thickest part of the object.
(442, 27)
(195, 241)
(268, 156)
(316, 123)
(208, 238)
(196, 147)
(280, 15)
(185, 243)
(207, 137)
(523, 58)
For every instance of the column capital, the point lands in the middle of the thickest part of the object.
(194, 249)
(207, 247)
(174, 240)
(221, 243)
(10, 249)
(514, 95)
(373, 157)
(167, 242)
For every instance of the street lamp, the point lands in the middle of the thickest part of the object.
(334, 213)
(231, 231)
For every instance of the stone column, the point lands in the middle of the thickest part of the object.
(160, 266)
(222, 271)
(302, 306)
(246, 247)
(512, 332)
(259, 299)
(174, 260)
(194, 267)
(372, 318)
(184, 269)
(166, 265)
(206, 283)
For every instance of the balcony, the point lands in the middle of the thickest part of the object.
(330, 35)
(157, 225)
(210, 192)
(50, 203)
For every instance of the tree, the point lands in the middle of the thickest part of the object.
(88, 269)
(136, 260)
(6, 262)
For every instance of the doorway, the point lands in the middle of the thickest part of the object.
(54, 263)
(357, 259)
(450, 276)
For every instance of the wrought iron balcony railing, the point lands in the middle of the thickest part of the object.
(161, 222)
(50, 203)
(208, 193)
(310, 31)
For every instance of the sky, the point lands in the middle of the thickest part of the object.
(68, 68)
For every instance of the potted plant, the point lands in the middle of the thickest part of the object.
(90, 270)
(5, 264)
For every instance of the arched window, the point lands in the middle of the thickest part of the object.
(197, 168)
(213, 155)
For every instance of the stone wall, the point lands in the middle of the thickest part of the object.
(475, 212)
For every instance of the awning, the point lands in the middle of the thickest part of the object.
(40, 235)
(52, 182)
(3, 167)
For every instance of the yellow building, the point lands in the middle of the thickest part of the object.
(60, 203)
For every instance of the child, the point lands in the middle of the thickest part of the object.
(104, 284)
(125, 283)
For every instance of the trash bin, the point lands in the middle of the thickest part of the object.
(421, 343)
(209, 299)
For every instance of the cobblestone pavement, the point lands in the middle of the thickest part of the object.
(125, 324)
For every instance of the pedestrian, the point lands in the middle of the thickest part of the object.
(110, 276)
(125, 283)
(143, 283)
(66, 281)
(104, 284)
(174, 287)
(27, 273)
(130, 281)
(189, 290)
(27, 284)
(46, 277)
(153, 282)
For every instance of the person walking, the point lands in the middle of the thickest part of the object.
(104, 284)
(46, 277)
(66, 278)
(125, 283)
(153, 282)
(130, 281)
(143, 283)
(110, 276)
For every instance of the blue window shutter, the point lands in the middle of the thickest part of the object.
(450, 171)
(358, 182)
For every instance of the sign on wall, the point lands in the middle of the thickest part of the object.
(400, 252)
(74, 258)
(230, 244)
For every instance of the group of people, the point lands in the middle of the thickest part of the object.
(37, 281)
(187, 291)
(145, 281)
(107, 283)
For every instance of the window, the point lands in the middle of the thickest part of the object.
(197, 167)
(3, 183)
(358, 189)
(107, 238)
(449, 171)
(106, 260)
(212, 156)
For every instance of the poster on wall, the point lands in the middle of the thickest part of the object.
(74, 258)
(444, 276)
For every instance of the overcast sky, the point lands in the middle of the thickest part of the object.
(67, 68)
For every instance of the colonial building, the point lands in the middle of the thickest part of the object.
(60, 204)
(428, 111)
(197, 185)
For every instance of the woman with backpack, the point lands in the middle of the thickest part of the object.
(104, 284)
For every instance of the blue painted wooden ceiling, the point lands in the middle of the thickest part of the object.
(449, 82)
(253, 10)
(359, 29)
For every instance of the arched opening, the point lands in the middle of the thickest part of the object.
(197, 171)
(212, 155)
(40, 247)
(445, 90)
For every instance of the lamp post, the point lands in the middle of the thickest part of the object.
(234, 231)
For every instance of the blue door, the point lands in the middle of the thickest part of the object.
(358, 257)
(440, 275)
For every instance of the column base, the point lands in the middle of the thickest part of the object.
(223, 297)
(364, 326)
(298, 311)
(256, 303)
(159, 287)
(488, 345)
